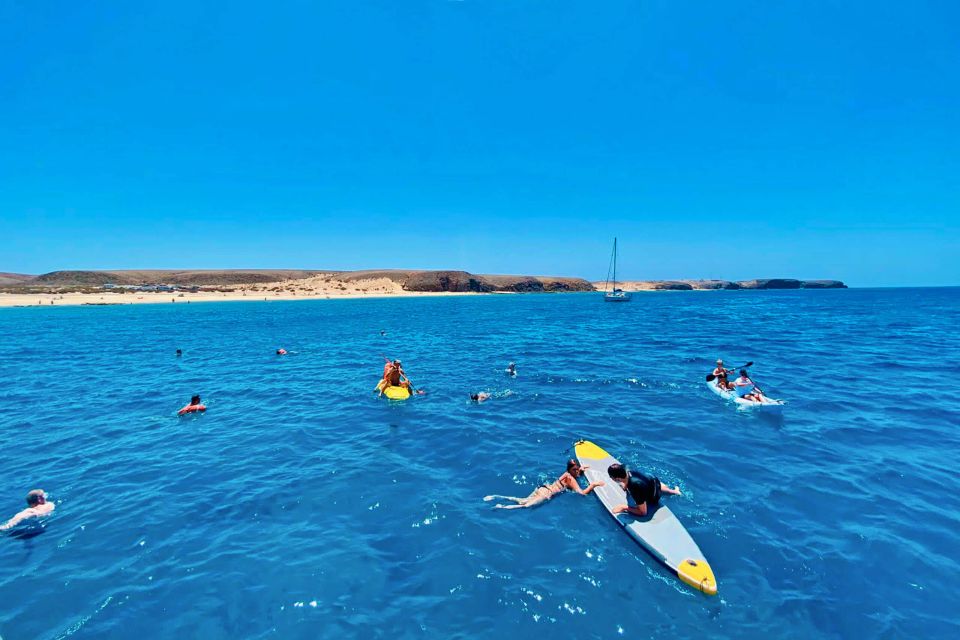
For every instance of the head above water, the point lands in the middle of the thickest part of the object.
(617, 471)
(574, 468)
(474, 396)
(179, 352)
(195, 400)
(36, 497)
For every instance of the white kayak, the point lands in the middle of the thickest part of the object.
(659, 532)
(768, 404)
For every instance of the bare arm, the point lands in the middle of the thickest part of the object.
(17, 519)
(640, 510)
(571, 483)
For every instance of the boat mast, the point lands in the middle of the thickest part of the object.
(614, 264)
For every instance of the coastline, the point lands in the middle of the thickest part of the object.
(107, 298)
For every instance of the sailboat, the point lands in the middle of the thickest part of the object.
(614, 294)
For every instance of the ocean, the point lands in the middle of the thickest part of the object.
(302, 506)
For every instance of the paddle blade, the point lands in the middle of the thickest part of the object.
(710, 377)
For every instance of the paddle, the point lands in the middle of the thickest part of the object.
(711, 377)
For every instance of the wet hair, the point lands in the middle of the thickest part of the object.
(573, 464)
(617, 471)
(743, 372)
(474, 396)
(195, 400)
(35, 497)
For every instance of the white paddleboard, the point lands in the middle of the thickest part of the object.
(659, 532)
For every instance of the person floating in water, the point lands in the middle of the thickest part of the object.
(194, 407)
(37, 507)
(720, 373)
(281, 352)
(645, 490)
(746, 389)
(480, 397)
(547, 490)
(179, 352)
(382, 332)
(511, 369)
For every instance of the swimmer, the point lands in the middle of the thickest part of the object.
(547, 490)
(511, 369)
(179, 353)
(194, 406)
(480, 397)
(37, 507)
(382, 332)
(281, 352)
(645, 490)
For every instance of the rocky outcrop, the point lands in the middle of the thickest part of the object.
(823, 284)
(771, 283)
(460, 281)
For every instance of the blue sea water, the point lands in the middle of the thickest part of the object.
(301, 506)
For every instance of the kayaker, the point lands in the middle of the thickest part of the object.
(645, 490)
(37, 507)
(568, 480)
(394, 376)
(720, 373)
(746, 389)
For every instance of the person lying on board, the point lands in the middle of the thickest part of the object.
(721, 376)
(746, 389)
(547, 490)
(37, 507)
(645, 490)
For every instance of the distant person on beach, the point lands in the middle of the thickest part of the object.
(746, 389)
(511, 369)
(37, 507)
(194, 407)
(645, 490)
(720, 373)
(568, 480)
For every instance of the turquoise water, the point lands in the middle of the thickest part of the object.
(300, 506)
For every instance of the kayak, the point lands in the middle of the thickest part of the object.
(393, 392)
(659, 532)
(768, 404)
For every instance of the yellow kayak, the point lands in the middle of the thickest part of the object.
(394, 393)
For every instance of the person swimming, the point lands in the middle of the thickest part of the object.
(480, 397)
(179, 352)
(37, 507)
(281, 352)
(194, 406)
(511, 369)
(567, 481)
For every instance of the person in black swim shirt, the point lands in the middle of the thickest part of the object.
(645, 490)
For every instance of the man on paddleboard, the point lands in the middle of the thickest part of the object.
(645, 490)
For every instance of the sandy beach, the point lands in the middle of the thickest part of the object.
(320, 287)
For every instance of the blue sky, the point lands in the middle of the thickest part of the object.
(724, 140)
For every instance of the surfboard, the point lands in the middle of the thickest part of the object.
(660, 533)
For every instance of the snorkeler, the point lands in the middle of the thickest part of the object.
(37, 507)
(547, 490)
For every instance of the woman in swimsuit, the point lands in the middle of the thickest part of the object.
(547, 490)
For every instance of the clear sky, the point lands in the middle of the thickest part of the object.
(715, 139)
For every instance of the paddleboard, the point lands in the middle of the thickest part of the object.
(659, 532)
(768, 404)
